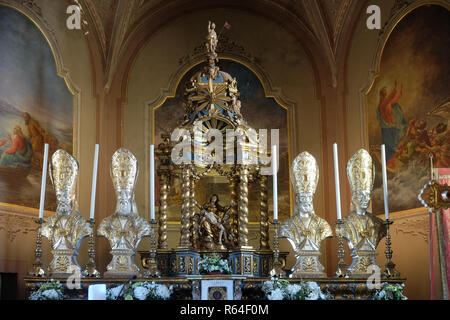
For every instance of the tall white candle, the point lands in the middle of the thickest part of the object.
(43, 182)
(385, 189)
(336, 182)
(275, 182)
(94, 182)
(152, 182)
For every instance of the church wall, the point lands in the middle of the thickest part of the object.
(154, 73)
(17, 227)
(280, 56)
(410, 231)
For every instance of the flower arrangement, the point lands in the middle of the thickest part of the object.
(390, 292)
(140, 291)
(214, 264)
(279, 289)
(52, 290)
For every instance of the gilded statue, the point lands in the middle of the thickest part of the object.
(305, 230)
(215, 225)
(125, 228)
(362, 229)
(212, 39)
(67, 227)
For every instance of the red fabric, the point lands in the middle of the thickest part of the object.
(432, 274)
(446, 221)
(18, 144)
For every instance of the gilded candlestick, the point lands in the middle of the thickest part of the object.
(91, 269)
(37, 269)
(390, 271)
(152, 265)
(277, 270)
(341, 271)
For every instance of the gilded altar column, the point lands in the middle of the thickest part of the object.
(243, 206)
(264, 217)
(194, 222)
(185, 208)
(163, 194)
(233, 210)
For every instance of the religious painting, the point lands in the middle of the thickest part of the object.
(409, 105)
(260, 112)
(36, 107)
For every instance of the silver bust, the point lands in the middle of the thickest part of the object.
(125, 228)
(305, 230)
(67, 227)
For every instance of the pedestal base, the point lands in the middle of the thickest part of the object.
(63, 264)
(308, 265)
(122, 265)
(361, 262)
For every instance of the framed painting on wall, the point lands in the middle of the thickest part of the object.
(409, 106)
(36, 107)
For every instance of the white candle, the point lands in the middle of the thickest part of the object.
(275, 182)
(385, 190)
(336, 182)
(97, 292)
(43, 182)
(152, 182)
(94, 182)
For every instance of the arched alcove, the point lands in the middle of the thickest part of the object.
(261, 111)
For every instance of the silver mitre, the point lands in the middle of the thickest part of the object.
(125, 228)
(305, 230)
(362, 230)
(66, 228)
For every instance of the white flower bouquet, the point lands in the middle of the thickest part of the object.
(279, 289)
(390, 292)
(52, 290)
(140, 291)
(214, 264)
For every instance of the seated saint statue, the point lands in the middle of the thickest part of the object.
(305, 230)
(214, 225)
(67, 227)
(362, 229)
(125, 228)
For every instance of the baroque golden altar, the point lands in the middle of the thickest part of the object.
(211, 111)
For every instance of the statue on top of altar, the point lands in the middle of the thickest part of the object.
(67, 227)
(214, 225)
(125, 228)
(305, 230)
(362, 229)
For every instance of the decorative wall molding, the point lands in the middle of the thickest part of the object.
(413, 224)
(31, 4)
(16, 220)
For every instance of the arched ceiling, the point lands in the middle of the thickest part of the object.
(321, 23)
